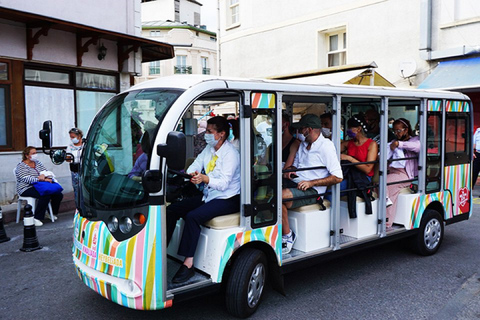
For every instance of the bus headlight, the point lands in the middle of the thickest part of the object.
(126, 225)
(112, 224)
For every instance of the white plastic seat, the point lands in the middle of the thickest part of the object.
(224, 222)
(31, 201)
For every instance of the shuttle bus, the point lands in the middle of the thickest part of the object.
(119, 241)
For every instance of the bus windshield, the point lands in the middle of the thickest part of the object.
(118, 148)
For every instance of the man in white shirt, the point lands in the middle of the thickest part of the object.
(314, 151)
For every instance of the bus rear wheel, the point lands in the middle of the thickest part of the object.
(430, 233)
(246, 283)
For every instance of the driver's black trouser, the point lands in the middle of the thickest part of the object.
(195, 212)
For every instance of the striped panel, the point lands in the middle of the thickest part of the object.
(422, 202)
(138, 258)
(267, 234)
(434, 105)
(263, 100)
(457, 106)
(458, 180)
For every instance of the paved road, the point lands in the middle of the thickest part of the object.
(388, 282)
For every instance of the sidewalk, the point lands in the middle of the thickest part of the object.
(10, 211)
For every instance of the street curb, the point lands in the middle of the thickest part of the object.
(67, 205)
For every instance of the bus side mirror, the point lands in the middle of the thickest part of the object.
(174, 151)
(46, 135)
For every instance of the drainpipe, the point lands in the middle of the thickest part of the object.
(425, 29)
(219, 56)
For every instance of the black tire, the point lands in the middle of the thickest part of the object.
(430, 233)
(246, 283)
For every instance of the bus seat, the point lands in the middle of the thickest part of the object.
(311, 225)
(224, 222)
(404, 207)
(363, 225)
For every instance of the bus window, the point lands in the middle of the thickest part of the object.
(434, 133)
(263, 167)
(457, 139)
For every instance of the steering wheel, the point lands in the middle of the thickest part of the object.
(181, 174)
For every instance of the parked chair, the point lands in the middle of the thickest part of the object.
(31, 201)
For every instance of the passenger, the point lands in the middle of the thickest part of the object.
(372, 118)
(234, 133)
(198, 140)
(390, 123)
(75, 148)
(326, 120)
(27, 173)
(289, 143)
(410, 145)
(265, 129)
(358, 178)
(140, 165)
(314, 151)
(218, 167)
(359, 148)
(476, 157)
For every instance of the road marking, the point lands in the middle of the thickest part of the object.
(476, 200)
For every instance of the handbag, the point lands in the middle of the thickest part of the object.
(46, 188)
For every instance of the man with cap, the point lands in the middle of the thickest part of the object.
(314, 151)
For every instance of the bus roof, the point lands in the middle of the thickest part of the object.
(187, 81)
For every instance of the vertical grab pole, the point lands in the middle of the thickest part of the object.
(335, 205)
(422, 157)
(382, 188)
(245, 155)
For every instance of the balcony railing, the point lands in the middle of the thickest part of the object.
(205, 70)
(183, 69)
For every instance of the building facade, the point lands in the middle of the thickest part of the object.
(62, 61)
(407, 40)
(178, 22)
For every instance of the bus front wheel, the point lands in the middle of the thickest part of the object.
(430, 233)
(246, 283)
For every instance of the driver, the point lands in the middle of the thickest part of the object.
(218, 168)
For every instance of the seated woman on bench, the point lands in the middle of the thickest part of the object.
(401, 170)
(218, 168)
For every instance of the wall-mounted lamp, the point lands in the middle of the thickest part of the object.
(102, 52)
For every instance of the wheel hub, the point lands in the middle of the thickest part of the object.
(256, 285)
(432, 234)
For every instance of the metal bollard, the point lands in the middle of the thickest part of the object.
(3, 234)
(30, 241)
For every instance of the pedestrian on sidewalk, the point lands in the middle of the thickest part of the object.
(28, 172)
(476, 156)
(75, 148)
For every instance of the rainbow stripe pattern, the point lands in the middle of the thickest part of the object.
(263, 100)
(458, 181)
(269, 235)
(421, 203)
(457, 106)
(138, 258)
(434, 105)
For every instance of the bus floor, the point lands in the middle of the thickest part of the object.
(172, 268)
(344, 239)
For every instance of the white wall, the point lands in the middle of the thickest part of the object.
(283, 37)
(115, 15)
(187, 10)
(158, 10)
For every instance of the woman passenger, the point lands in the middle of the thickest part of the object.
(359, 148)
(27, 173)
(410, 145)
(218, 168)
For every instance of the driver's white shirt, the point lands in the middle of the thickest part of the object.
(225, 177)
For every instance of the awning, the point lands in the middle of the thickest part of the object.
(151, 50)
(454, 74)
(364, 75)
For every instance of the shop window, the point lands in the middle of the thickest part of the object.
(96, 81)
(4, 107)
(47, 76)
(3, 71)
(88, 104)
